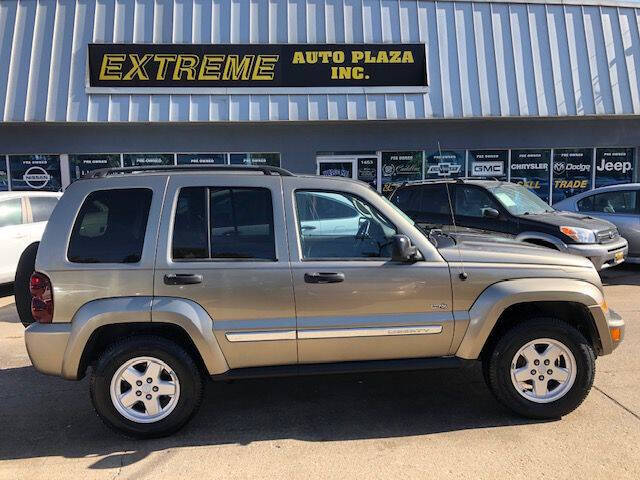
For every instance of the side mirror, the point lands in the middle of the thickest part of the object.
(402, 250)
(490, 212)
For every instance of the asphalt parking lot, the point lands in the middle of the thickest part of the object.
(432, 424)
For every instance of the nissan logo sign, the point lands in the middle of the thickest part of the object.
(36, 177)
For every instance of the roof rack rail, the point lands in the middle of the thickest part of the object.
(105, 172)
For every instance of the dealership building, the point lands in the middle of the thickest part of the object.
(544, 93)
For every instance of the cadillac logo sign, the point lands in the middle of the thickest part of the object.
(36, 177)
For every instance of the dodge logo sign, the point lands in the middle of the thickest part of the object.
(559, 167)
(36, 177)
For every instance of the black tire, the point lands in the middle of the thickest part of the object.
(498, 367)
(186, 369)
(26, 266)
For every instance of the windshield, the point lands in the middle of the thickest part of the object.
(404, 215)
(520, 201)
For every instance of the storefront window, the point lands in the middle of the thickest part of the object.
(613, 166)
(398, 167)
(79, 165)
(4, 179)
(531, 168)
(572, 169)
(488, 163)
(202, 158)
(445, 164)
(35, 172)
(147, 159)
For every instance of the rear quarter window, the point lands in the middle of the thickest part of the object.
(110, 227)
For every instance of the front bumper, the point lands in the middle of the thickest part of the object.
(46, 345)
(607, 322)
(602, 255)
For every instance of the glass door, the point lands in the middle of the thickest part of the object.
(364, 167)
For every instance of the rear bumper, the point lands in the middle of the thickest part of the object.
(46, 345)
(602, 255)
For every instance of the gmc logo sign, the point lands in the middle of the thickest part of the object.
(487, 169)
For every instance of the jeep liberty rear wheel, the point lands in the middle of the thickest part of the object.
(145, 387)
(541, 368)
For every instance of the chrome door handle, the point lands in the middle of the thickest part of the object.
(182, 279)
(324, 277)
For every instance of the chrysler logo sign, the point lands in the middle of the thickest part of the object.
(36, 177)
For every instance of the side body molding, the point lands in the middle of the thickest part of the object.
(186, 314)
(488, 307)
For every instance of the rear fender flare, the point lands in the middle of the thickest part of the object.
(186, 314)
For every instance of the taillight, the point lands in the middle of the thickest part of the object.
(42, 301)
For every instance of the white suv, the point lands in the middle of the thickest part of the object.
(23, 216)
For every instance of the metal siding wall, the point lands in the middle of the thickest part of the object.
(483, 59)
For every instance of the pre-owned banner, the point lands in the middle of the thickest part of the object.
(202, 158)
(257, 65)
(614, 165)
(488, 163)
(398, 167)
(147, 159)
(572, 169)
(84, 163)
(35, 172)
(445, 163)
(531, 168)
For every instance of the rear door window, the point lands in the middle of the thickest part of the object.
(224, 223)
(110, 227)
(41, 207)
(11, 212)
(617, 202)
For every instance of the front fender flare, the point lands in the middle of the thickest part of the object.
(490, 305)
(544, 237)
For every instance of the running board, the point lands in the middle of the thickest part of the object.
(343, 367)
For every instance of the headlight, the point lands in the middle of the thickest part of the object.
(580, 235)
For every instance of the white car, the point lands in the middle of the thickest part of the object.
(23, 217)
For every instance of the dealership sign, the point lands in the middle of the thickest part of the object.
(488, 163)
(613, 166)
(35, 172)
(138, 66)
(572, 172)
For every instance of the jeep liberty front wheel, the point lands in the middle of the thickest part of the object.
(146, 387)
(541, 368)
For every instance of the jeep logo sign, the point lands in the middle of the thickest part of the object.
(614, 166)
(487, 169)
